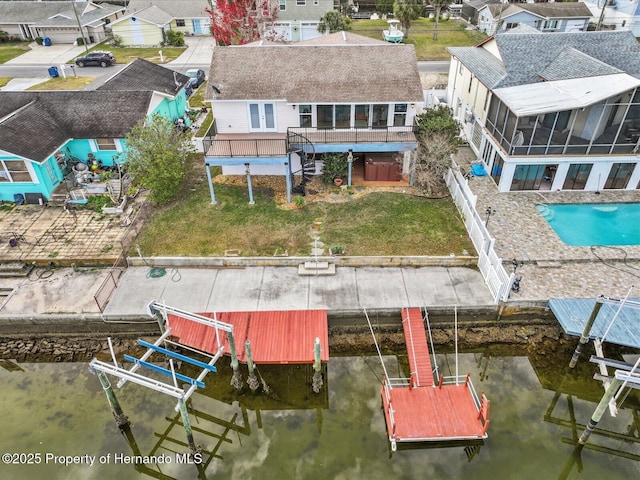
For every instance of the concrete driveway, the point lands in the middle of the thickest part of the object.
(49, 56)
(198, 53)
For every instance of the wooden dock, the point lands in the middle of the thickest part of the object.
(419, 409)
(277, 337)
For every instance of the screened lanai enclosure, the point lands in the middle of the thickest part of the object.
(585, 116)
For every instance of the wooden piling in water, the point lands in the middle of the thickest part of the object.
(118, 414)
(317, 363)
(584, 338)
(252, 380)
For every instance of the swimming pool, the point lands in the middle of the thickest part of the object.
(585, 224)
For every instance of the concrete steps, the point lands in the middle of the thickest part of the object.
(14, 270)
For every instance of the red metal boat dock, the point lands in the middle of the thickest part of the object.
(277, 337)
(420, 410)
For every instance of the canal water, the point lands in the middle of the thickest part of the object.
(57, 424)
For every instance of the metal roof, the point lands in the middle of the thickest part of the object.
(573, 314)
(558, 95)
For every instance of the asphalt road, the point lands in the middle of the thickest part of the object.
(35, 71)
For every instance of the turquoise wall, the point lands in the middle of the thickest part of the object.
(45, 186)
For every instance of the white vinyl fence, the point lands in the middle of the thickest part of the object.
(490, 265)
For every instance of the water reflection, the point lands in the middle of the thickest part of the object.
(537, 412)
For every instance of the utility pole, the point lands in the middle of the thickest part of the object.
(601, 18)
(84, 41)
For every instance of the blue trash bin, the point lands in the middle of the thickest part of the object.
(46, 41)
(18, 198)
(53, 72)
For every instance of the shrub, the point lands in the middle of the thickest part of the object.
(334, 166)
(38, 40)
(79, 41)
(174, 38)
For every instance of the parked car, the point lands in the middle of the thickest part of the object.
(103, 59)
(196, 76)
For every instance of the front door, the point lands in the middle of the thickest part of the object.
(195, 25)
(262, 117)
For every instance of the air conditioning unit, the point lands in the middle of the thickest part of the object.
(468, 115)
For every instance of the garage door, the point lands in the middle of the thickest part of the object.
(279, 32)
(58, 35)
(309, 30)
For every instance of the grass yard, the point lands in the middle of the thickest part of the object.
(196, 101)
(59, 83)
(451, 33)
(4, 81)
(129, 54)
(11, 50)
(380, 223)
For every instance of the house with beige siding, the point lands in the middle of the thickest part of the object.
(146, 21)
(551, 111)
(278, 108)
(299, 19)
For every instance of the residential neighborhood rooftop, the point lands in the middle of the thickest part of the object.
(524, 57)
(330, 73)
(544, 10)
(144, 75)
(177, 9)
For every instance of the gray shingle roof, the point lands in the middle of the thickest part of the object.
(342, 38)
(545, 10)
(526, 56)
(571, 63)
(486, 67)
(175, 8)
(29, 11)
(67, 18)
(151, 14)
(316, 74)
(54, 117)
(144, 75)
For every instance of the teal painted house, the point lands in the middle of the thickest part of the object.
(44, 134)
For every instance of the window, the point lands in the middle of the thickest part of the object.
(324, 116)
(400, 114)
(550, 25)
(180, 22)
(106, 143)
(577, 176)
(301, 3)
(14, 171)
(361, 116)
(527, 177)
(283, 5)
(379, 116)
(343, 116)
(460, 68)
(619, 175)
(305, 115)
(509, 26)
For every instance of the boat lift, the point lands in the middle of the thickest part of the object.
(102, 369)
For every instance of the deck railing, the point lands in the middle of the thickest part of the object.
(258, 147)
(401, 134)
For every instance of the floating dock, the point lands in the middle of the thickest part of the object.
(427, 409)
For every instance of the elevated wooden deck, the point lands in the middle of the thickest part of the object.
(277, 337)
(421, 411)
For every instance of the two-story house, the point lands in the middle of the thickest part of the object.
(546, 17)
(617, 14)
(44, 134)
(551, 111)
(277, 108)
(298, 20)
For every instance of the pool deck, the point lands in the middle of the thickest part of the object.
(551, 268)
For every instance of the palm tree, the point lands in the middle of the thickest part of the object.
(438, 5)
(405, 11)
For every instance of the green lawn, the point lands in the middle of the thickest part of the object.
(4, 81)
(129, 54)
(59, 83)
(11, 50)
(451, 33)
(380, 223)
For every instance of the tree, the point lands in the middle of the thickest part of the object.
(236, 22)
(333, 21)
(174, 38)
(160, 157)
(384, 7)
(438, 138)
(438, 5)
(405, 11)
